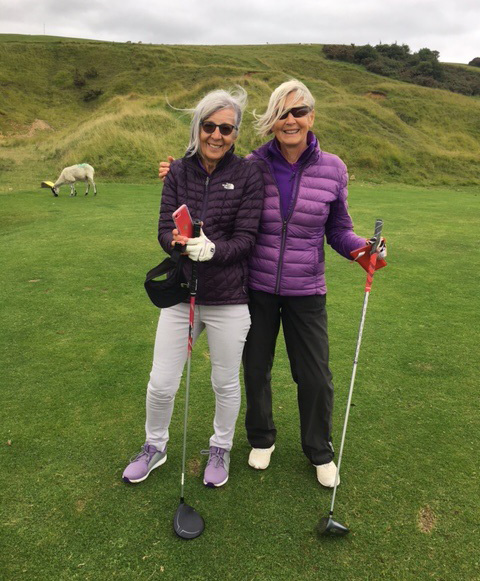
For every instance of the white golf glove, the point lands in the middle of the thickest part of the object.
(200, 249)
(381, 248)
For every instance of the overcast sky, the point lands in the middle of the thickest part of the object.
(451, 27)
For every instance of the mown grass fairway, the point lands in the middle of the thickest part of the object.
(77, 339)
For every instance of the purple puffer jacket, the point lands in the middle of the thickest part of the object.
(288, 258)
(229, 203)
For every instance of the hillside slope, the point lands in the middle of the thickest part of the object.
(385, 130)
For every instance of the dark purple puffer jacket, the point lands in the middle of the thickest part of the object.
(229, 203)
(288, 258)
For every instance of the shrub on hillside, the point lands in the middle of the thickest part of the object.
(92, 94)
(461, 80)
(340, 52)
(384, 66)
(393, 51)
(78, 79)
(428, 68)
(425, 81)
(365, 53)
(425, 54)
(475, 62)
(421, 68)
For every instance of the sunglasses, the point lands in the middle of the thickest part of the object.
(296, 112)
(224, 128)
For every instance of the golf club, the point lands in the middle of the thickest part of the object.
(328, 526)
(187, 523)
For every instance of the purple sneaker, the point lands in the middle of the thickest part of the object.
(141, 465)
(216, 471)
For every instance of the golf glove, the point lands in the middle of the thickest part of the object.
(200, 249)
(381, 248)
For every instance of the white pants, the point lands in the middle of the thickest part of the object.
(227, 327)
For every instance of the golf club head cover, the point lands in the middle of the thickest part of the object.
(200, 249)
(362, 255)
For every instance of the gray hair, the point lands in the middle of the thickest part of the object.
(214, 101)
(276, 105)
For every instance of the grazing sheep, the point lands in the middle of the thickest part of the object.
(75, 173)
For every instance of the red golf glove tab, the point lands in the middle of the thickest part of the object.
(362, 256)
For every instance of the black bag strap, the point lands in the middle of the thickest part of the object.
(166, 264)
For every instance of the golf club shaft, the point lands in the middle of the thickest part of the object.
(187, 391)
(350, 393)
(368, 286)
(193, 294)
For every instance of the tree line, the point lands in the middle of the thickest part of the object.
(398, 62)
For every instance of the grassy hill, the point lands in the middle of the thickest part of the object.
(385, 130)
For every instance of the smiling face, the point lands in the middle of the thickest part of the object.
(214, 146)
(292, 132)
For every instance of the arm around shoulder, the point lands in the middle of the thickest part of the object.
(168, 205)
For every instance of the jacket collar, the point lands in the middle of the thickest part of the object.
(311, 154)
(195, 162)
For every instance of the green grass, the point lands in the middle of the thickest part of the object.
(76, 347)
(412, 135)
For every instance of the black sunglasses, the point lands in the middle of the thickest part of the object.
(225, 128)
(296, 112)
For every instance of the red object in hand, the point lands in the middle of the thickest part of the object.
(183, 221)
(364, 259)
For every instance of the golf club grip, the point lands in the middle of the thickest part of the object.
(197, 225)
(377, 235)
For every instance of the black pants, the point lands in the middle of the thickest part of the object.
(304, 321)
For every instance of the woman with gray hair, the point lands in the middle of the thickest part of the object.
(225, 193)
(305, 203)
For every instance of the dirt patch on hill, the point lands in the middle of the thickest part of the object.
(39, 125)
(13, 129)
(376, 95)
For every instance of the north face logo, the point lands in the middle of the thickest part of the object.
(228, 186)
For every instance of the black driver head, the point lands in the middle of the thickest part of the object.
(327, 526)
(187, 523)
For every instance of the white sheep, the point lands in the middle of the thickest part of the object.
(82, 172)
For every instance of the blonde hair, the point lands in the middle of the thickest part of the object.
(276, 105)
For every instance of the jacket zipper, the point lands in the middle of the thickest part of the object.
(285, 224)
(202, 219)
(284, 228)
(205, 199)
(280, 260)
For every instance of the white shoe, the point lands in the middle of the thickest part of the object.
(326, 474)
(260, 457)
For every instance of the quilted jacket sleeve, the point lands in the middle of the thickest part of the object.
(246, 222)
(339, 226)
